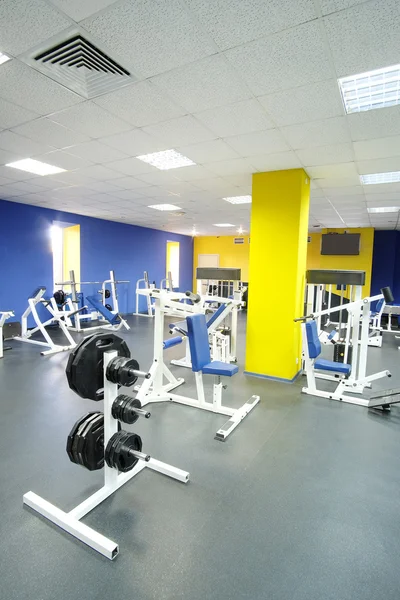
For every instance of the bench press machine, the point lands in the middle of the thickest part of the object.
(57, 316)
(157, 388)
(350, 377)
(3, 318)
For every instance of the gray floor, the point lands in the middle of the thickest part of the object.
(301, 502)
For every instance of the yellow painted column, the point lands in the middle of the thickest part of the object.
(278, 256)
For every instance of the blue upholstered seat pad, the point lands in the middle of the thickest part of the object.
(217, 367)
(330, 365)
(99, 306)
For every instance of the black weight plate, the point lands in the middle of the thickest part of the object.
(107, 293)
(79, 438)
(71, 436)
(85, 364)
(108, 307)
(90, 446)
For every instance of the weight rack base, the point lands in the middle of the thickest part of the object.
(70, 522)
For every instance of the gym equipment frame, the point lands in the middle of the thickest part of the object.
(57, 316)
(113, 480)
(353, 377)
(142, 290)
(3, 318)
(154, 389)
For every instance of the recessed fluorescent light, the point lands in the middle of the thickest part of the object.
(370, 90)
(4, 58)
(168, 159)
(35, 166)
(384, 209)
(164, 207)
(374, 178)
(223, 225)
(238, 199)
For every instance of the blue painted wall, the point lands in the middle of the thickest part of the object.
(26, 260)
(386, 263)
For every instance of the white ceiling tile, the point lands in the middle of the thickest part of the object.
(284, 60)
(215, 184)
(181, 131)
(151, 37)
(331, 6)
(21, 145)
(235, 119)
(5, 181)
(135, 142)
(234, 22)
(382, 198)
(47, 132)
(311, 102)
(7, 156)
(11, 114)
(276, 162)
(8, 191)
(129, 183)
(99, 172)
(377, 148)
(355, 190)
(384, 188)
(326, 155)
(127, 194)
(72, 178)
(96, 152)
(26, 87)
(208, 151)
(339, 175)
(364, 37)
(131, 166)
(192, 173)
(78, 10)
(205, 84)
(260, 142)
(242, 180)
(375, 123)
(90, 119)
(63, 160)
(231, 167)
(104, 187)
(157, 177)
(34, 21)
(140, 104)
(379, 165)
(317, 133)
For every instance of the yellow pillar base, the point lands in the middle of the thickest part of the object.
(278, 255)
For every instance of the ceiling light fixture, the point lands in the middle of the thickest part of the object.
(194, 232)
(384, 209)
(375, 178)
(371, 90)
(238, 199)
(164, 207)
(223, 225)
(35, 166)
(240, 230)
(168, 159)
(4, 58)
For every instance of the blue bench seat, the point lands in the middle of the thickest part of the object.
(329, 365)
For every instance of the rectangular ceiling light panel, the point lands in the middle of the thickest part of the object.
(167, 159)
(375, 178)
(4, 58)
(35, 166)
(238, 199)
(384, 209)
(164, 207)
(371, 90)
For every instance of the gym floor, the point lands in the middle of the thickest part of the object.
(300, 503)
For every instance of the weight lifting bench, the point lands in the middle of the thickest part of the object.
(114, 320)
(154, 390)
(3, 318)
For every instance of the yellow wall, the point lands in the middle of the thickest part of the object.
(361, 262)
(237, 255)
(230, 254)
(72, 251)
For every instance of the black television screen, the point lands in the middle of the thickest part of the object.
(340, 244)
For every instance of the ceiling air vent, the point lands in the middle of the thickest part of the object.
(80, 66)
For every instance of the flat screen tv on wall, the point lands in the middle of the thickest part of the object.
(340, 244)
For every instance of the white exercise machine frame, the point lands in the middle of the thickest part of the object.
(3, 318)
(358, 311)
(57, 316)
(143, 291)
(154, 389)
(113, 480)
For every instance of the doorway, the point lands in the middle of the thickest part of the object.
(172, 265)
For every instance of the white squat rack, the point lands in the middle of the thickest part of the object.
(113, 480)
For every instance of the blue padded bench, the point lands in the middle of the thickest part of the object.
(314, 350)
(200, 349)
(107, 314)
